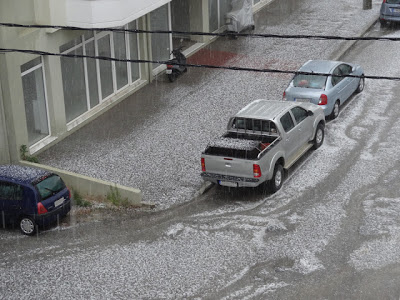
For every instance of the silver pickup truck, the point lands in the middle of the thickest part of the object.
(262, 140)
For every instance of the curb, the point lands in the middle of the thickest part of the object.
(349, 44)
(86, 185)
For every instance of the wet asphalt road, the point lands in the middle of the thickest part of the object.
(332, 232)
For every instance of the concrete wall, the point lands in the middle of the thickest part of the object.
(90, 186)
(4, 153)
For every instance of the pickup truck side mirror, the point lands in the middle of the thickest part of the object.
(310, 113)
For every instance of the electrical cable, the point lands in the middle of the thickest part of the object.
(37, 52)
(220, 34)
(314, 37)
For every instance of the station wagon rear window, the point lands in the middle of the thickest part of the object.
(49, 186)
(309, 81)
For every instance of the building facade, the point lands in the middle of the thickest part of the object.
(45, 98)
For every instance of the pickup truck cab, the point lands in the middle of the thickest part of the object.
(262, 140)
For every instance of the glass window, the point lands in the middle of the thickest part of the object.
(345, 69)
(74, 86)
(299, 114)
(50, 186)
(35, 101)
(11, 191)
(134, 51)
(121, 68)
(309, 81)
(224, 7)
(92, 74)
(106, 76)
(160, 43)
(287, 122)
(336, 78)
(213, 14)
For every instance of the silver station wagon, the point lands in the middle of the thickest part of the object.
(330, 91)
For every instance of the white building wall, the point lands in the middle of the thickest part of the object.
(93, 13)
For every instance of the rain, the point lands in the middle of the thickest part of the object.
(331, 232)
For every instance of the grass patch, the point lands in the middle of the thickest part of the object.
(79, 201)
(115, 198)
(24, 153)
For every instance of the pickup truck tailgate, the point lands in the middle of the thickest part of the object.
(228, 167)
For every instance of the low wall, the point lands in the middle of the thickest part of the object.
(86, 185)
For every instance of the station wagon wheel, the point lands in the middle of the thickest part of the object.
(277, 178)
(335, 110)
(27, 226)
(319, 136)
(361, 84)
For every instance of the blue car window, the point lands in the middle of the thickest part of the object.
(11, 191)
(49, 186)
(392, 1)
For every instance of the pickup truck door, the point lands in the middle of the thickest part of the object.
(290, 135)
(304, 124)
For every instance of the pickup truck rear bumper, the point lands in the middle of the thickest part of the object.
(221, 179)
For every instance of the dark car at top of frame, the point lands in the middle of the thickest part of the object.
(390, 12)
(328, 91)
(31, 197)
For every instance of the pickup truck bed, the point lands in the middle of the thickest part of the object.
(241, 145)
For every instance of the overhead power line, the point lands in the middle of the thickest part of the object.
(36, 52)
(251, 35)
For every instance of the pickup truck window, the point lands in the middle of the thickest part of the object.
(299, 114)
(287, 122)
(254, 125)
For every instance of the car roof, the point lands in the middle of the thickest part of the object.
(320, 66)
(265, 109)
(22, 174)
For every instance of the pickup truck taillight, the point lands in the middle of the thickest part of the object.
(41, 209)
(203, 164)
(256, 171)
(323, 100)
(169, 66)
(284, 96)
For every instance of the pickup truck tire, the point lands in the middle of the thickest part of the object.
(319, 136)
(277, 179)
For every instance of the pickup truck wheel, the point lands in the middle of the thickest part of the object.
(319, 136)
(277, 178)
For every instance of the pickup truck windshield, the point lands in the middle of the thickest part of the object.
(50, 186)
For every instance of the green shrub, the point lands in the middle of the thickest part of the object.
(115, 198)
(23, 150)
(79, 201)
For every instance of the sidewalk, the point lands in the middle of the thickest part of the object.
(153, 139)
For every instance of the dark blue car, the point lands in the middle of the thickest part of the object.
(31, 197)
